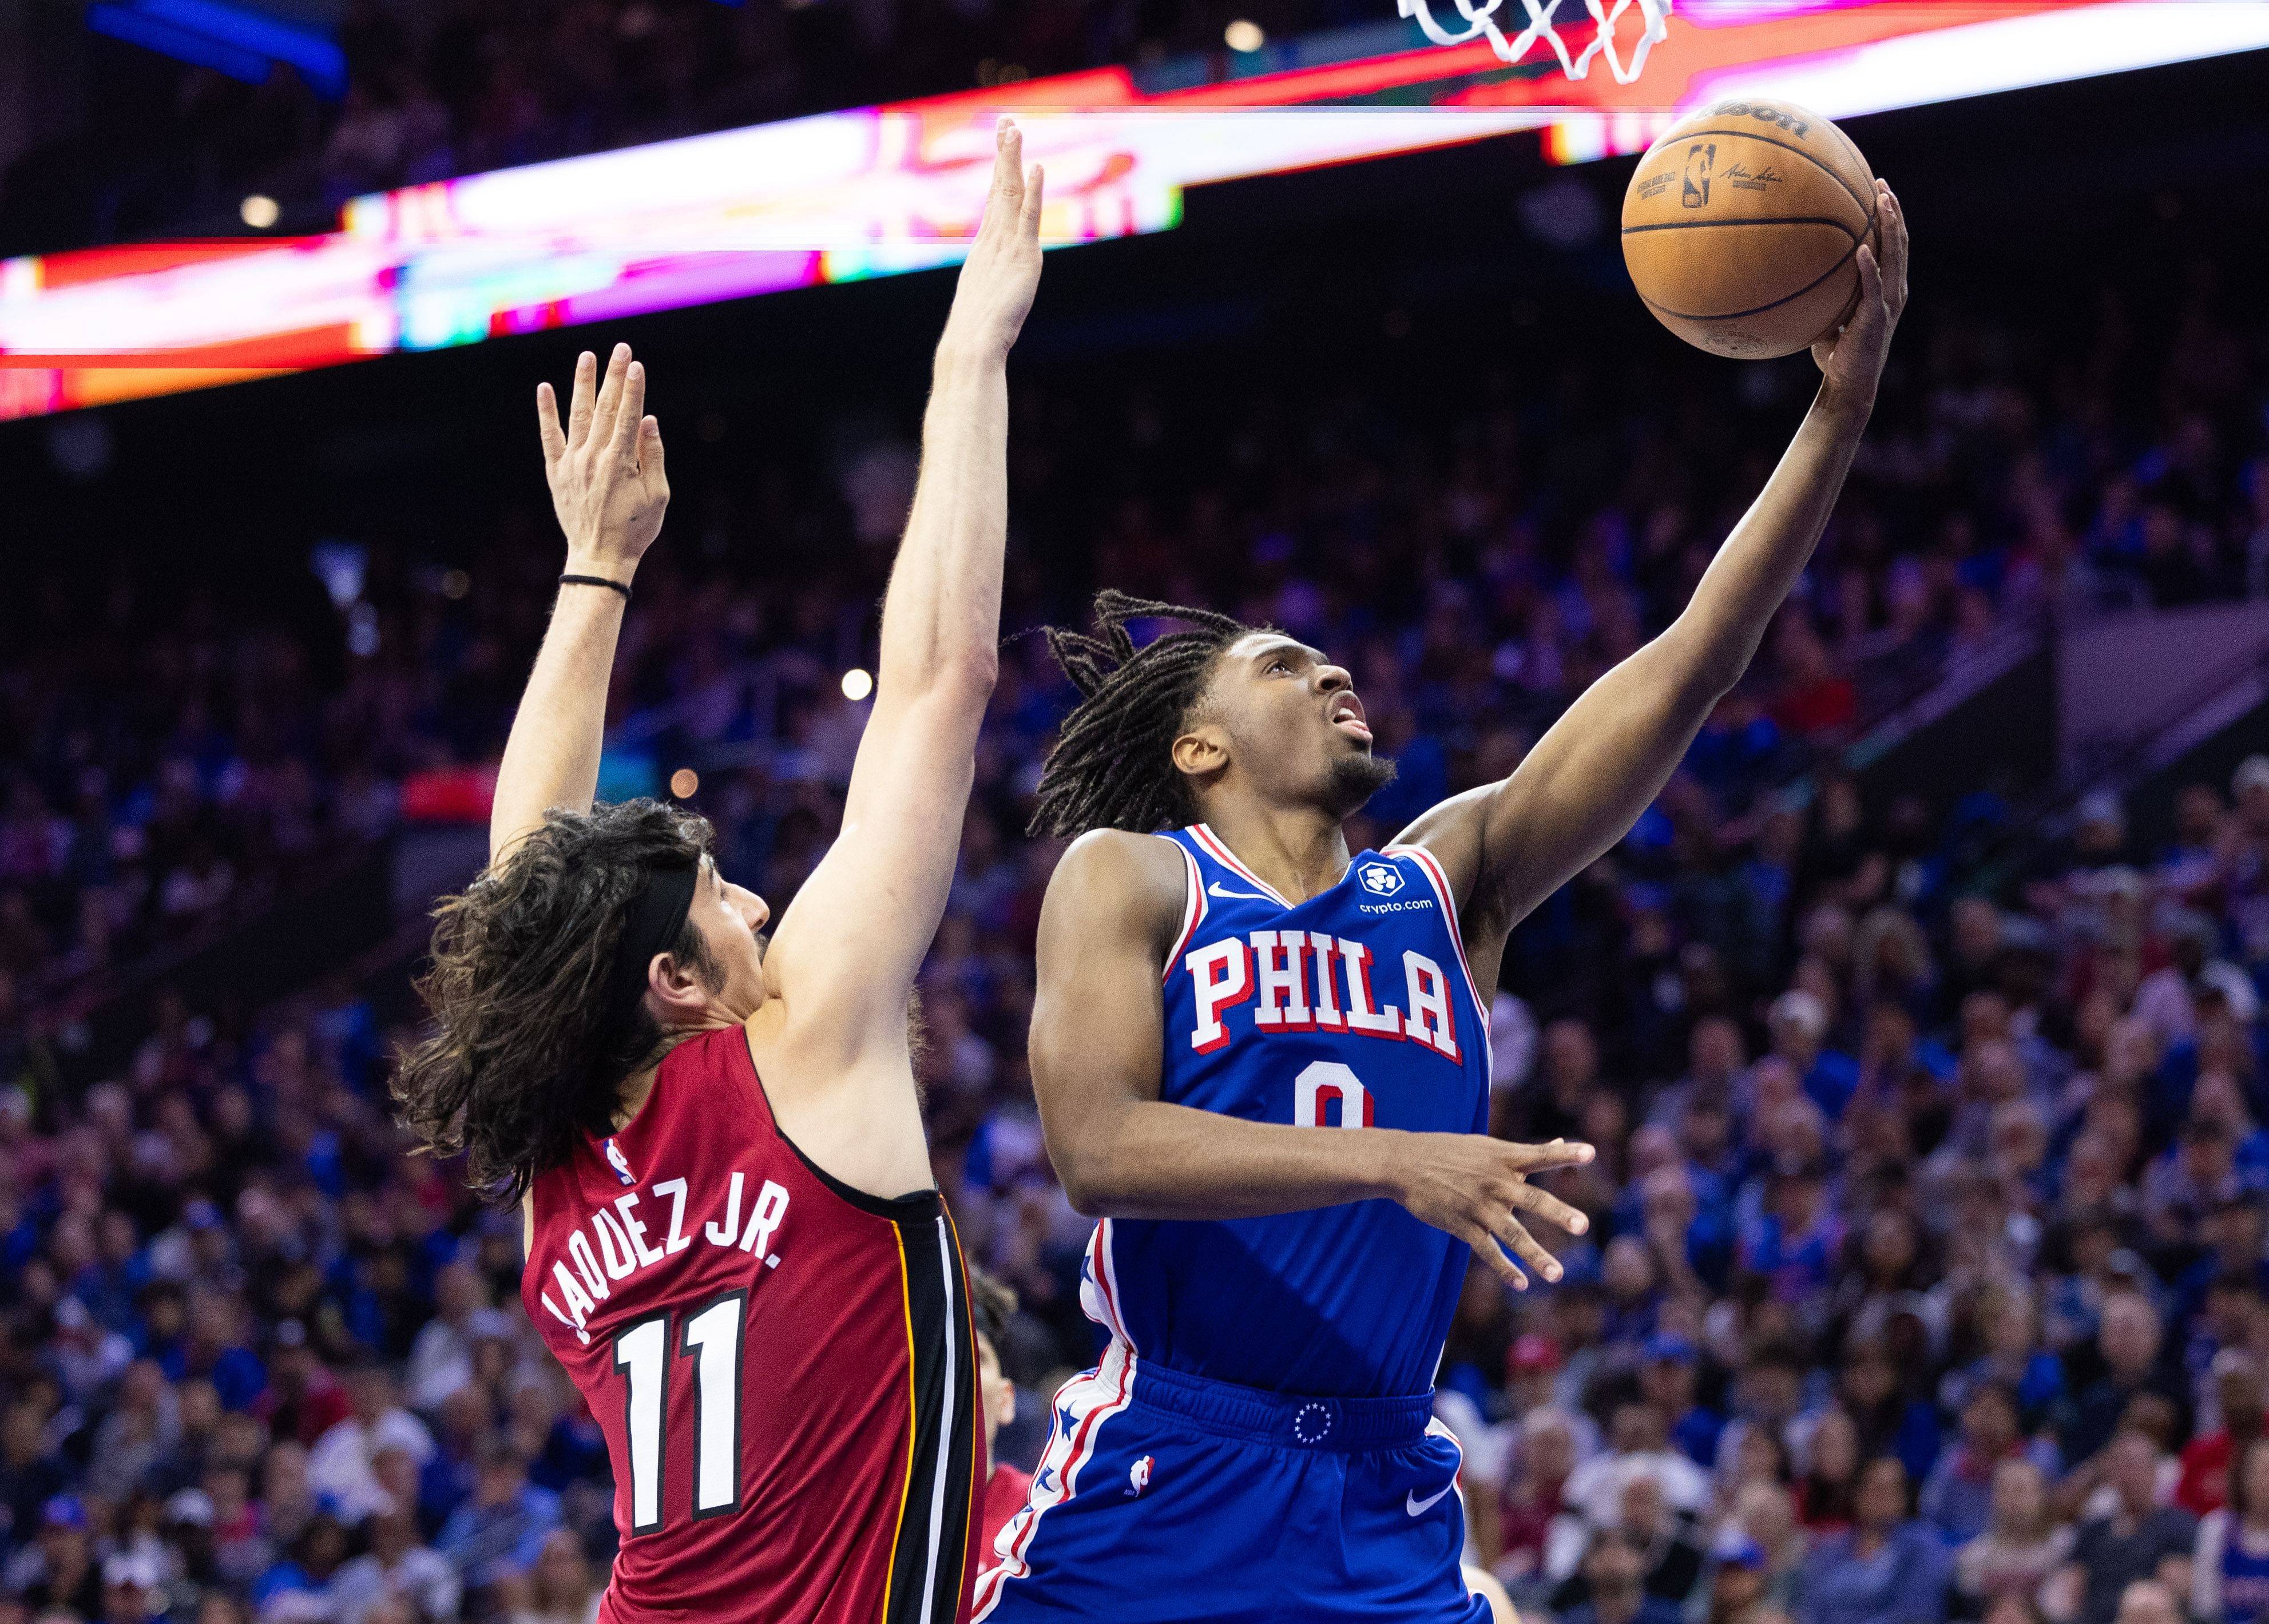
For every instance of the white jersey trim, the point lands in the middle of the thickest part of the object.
(1218, 850)
(1098, 1296)
(944, 1438)
(1194, 907)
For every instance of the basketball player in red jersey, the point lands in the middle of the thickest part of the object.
(734, 1244)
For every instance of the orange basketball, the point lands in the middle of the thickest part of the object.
(1742, 228)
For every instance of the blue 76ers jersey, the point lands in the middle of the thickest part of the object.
(1353, 1009)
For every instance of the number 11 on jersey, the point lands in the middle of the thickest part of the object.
(711, 1336)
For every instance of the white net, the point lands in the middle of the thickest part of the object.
(1480, 21)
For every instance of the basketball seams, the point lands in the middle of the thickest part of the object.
(1737, 315)
(1711, 275)
(1866, 205)
(1778, 219)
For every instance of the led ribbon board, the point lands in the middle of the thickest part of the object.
(874, 191)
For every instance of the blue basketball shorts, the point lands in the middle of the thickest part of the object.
(1171, 1500)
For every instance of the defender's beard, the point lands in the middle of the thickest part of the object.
(1355, 779)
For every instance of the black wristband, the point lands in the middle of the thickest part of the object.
(596, 581)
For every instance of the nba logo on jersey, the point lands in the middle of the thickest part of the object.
(1138, 1477)
(1380, 879)
(620, 1164)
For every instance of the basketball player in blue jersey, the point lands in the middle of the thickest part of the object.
(1263, 1064)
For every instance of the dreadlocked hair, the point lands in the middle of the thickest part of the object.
(1112, 765)
(523, 1057)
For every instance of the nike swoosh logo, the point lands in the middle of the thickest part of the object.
(1214, 891)
(1419, 1508)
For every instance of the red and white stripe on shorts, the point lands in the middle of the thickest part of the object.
(1082, 1405)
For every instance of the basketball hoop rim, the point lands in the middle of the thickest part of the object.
(1481, 22)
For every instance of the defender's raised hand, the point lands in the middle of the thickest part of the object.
(607, 488)
(1854, 358)
(1002, 270)
(605, 468)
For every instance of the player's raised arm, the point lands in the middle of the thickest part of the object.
(1509, 845)
(609, 491)
(845, 953)
(1098, 1029)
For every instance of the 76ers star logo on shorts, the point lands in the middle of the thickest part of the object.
(1380, 879)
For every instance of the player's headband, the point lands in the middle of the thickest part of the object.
(657, 917)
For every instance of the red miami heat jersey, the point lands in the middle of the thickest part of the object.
(785, 1368)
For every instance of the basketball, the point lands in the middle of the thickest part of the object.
(1742, 228)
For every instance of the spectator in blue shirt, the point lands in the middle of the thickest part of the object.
(1799, 1035)
(294, 1588)
(1795, 1243)
(1885, 1569)
(2009, 1323)
(446, 1481)
(1958, 1496)
(500, 1530)
(1667, 1373)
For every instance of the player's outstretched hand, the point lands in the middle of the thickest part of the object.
(1477, 1188)
(1002, 271)
(1853, 360)
(605, 466)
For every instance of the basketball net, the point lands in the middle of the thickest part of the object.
(1481, 20)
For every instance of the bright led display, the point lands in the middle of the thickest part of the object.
(875, 191)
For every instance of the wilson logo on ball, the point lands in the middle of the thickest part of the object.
(1787, 120)
(1755, 253)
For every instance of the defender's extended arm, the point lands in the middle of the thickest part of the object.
(847, 951)
(609, 492)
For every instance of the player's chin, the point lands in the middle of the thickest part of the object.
(1355, 777)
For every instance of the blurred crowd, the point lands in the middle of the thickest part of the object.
(460, 87)
(1926, 1262)
(1928, 1287)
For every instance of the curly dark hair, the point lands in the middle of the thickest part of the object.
(1112, 765)
(524, 1058)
